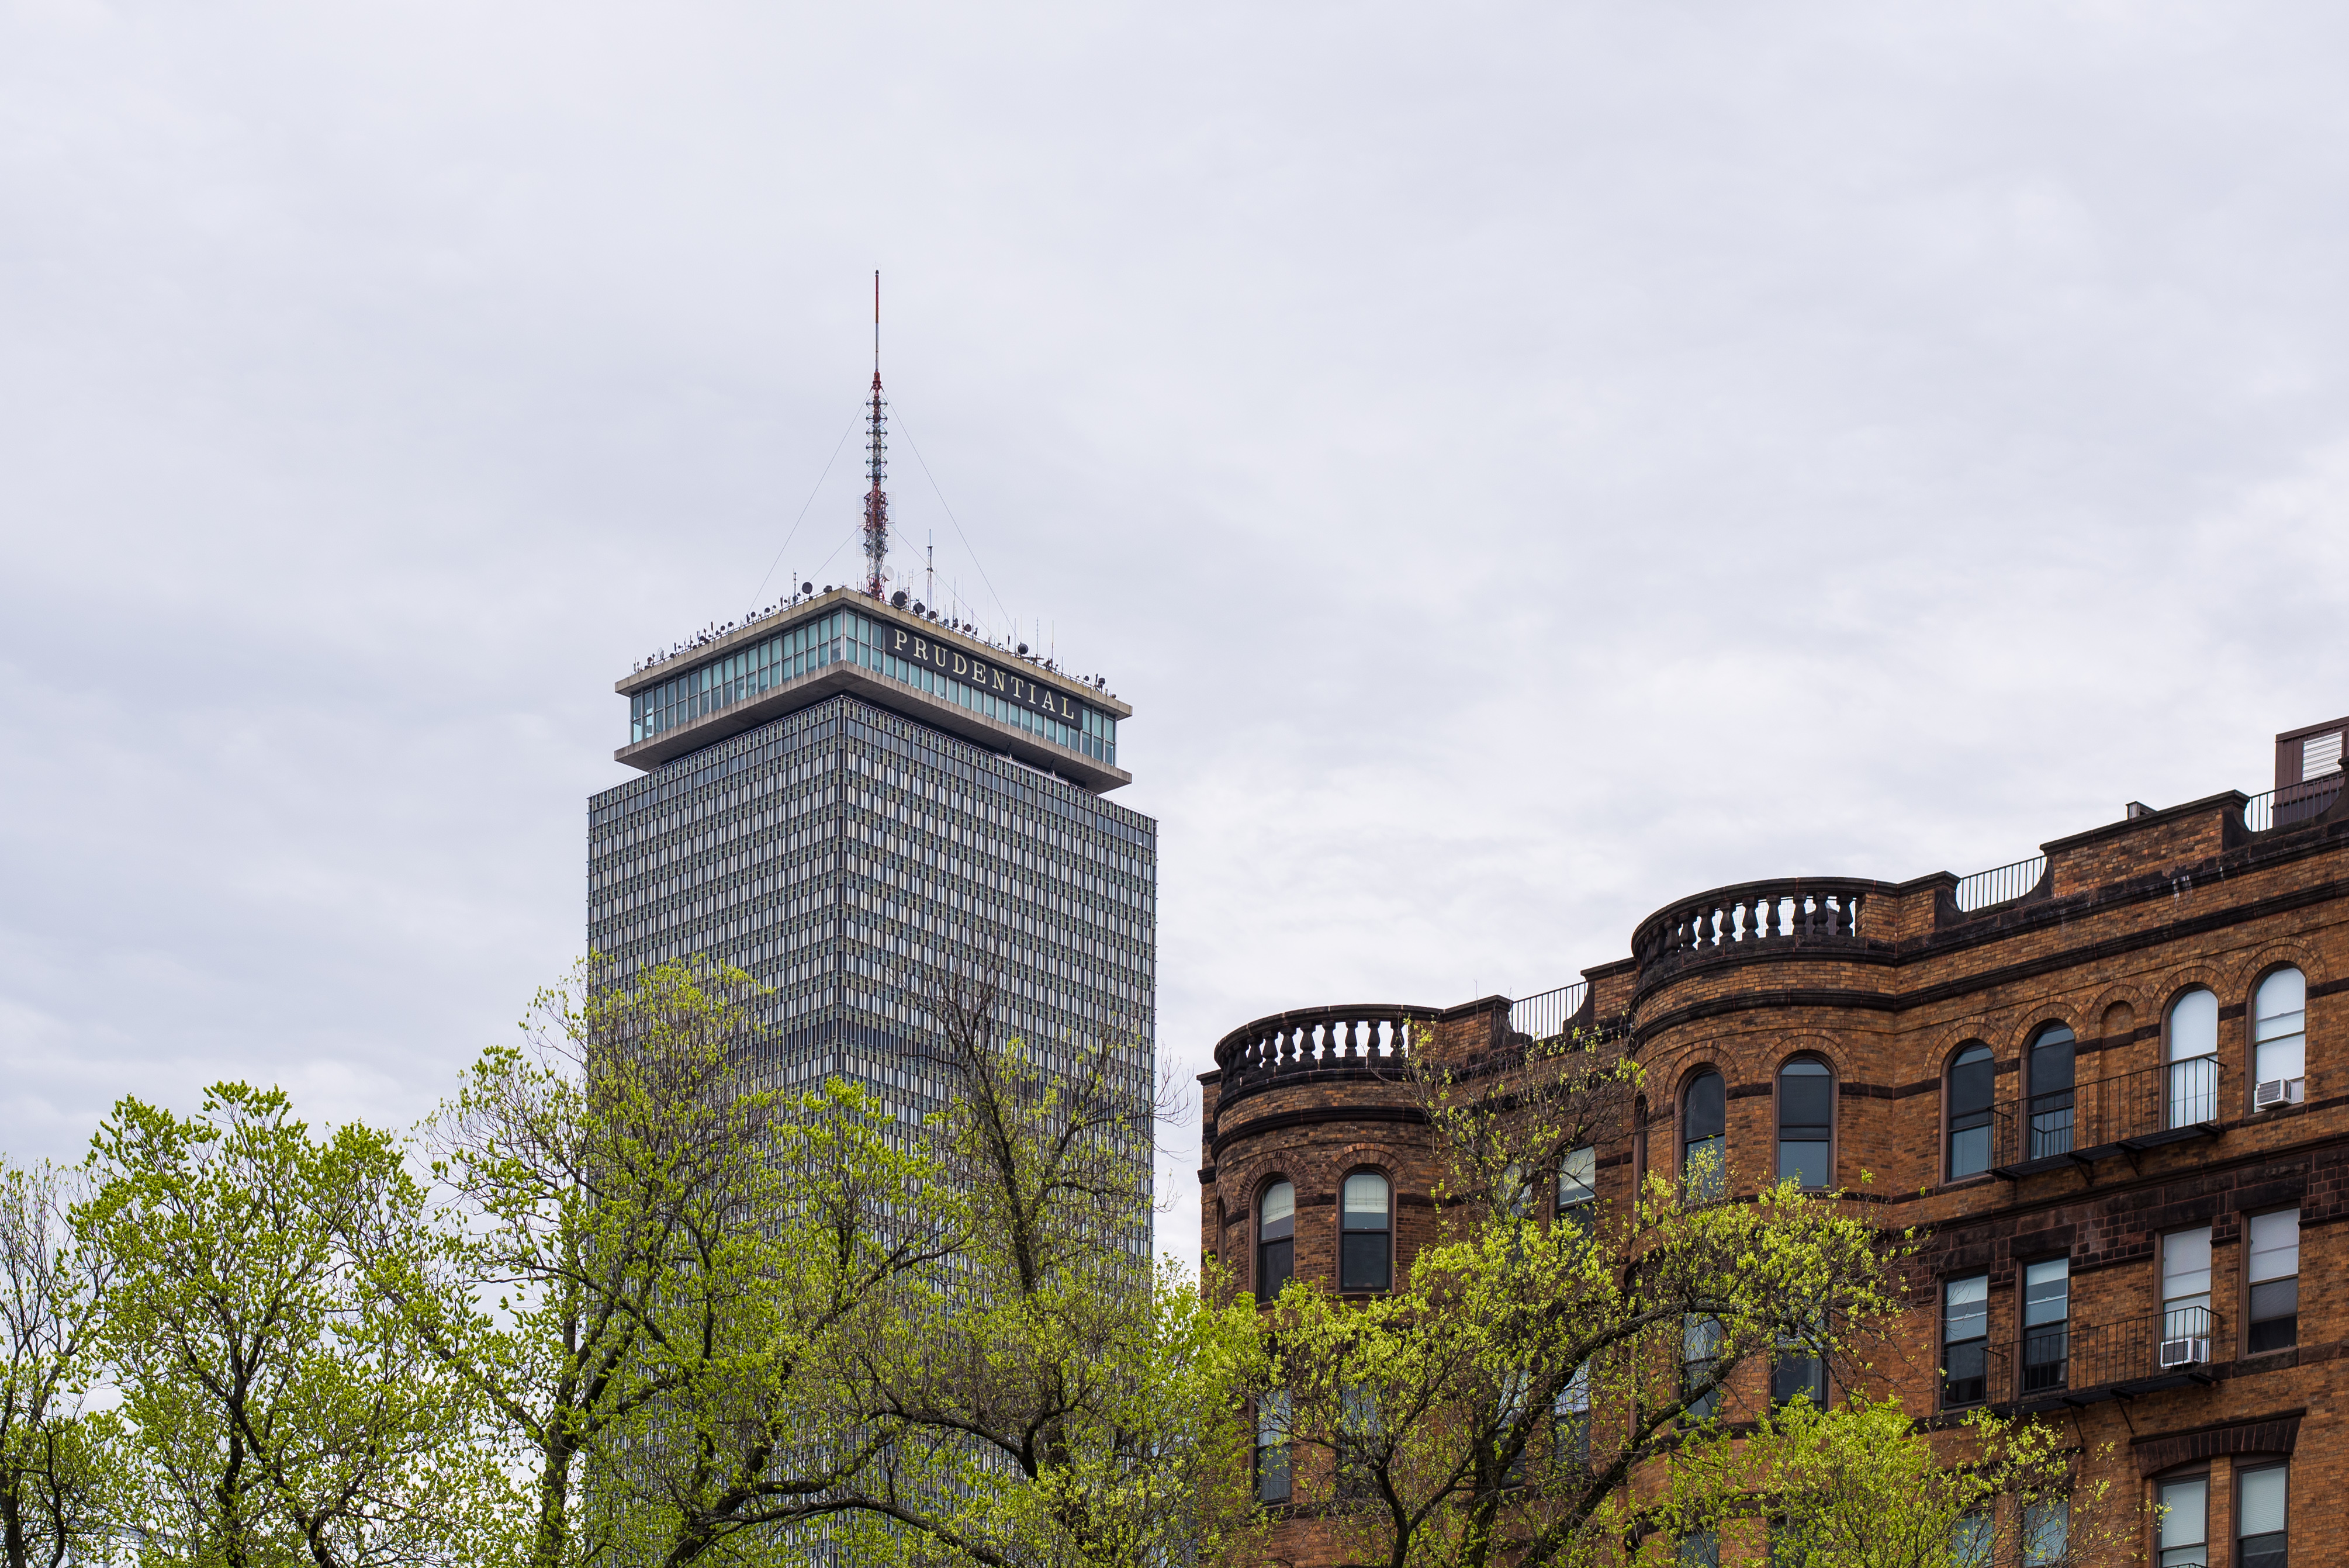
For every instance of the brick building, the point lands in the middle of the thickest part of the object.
(2111, 1082)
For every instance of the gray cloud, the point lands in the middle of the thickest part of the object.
(1524, 464)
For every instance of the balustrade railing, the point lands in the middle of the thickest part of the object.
(2000, 884)
(1550, 1014)
(1359, 1035)
(1805, 911)
(2107, 1116)
(2291, 805)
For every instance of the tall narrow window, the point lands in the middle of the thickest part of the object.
(2050, 1071)
(2279, 1031)
(2193, 1058)
(1272, 1447)
(1511, 1430)
(1970, 1542)
(1359, 1436)
(1806, 1123)
(1698, 1549)
(1700, 1353)
(1970, 1086)
(1514, 1192)
(2185, 1524)
(2260, 1516)
(2274, 1314)
(1577, 1186)
(2186, 1289)
(1965, 1340)
(2047, 1324)
(1276, 1239)
(1366, 1245)
(1704, 1138)
(2046, 1532)
(1797, 1371)
(1569, 1429)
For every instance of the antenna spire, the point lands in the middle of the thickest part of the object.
(877, 499)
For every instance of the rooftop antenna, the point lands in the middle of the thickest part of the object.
(877, 499)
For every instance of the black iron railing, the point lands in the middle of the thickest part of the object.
(2108, 1116)
(2291, 805)
(2000, 884)
(1549, 1015)
(2082, 1363)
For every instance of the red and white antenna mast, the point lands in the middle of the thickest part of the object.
(876, 466)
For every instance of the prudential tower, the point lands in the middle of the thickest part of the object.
(849, 794)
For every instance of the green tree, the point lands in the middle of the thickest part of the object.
(656, 1265)
(51, 1453)
(1056, 1400)
(1511, 1400)
(273, 1412)
(1862, 1486)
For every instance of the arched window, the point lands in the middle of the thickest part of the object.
(1704, 1138)
(2049, 1067)
(2279, 1038)
(2192, 1045)
(1806, 1123)
(1971, 1082)
(1577, 1186)
(1366, 1234)
(1276, 1239)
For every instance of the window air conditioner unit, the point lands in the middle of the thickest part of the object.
(2278, 1091)
(2191, 1352)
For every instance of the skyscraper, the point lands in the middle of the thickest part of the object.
(847, 797)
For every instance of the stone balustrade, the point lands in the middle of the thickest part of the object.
(1360, 1035)
(1794, 913)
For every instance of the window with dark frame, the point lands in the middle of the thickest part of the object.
(2274, 1275)
(2046, 1325)
(2046, 1532)
(1701, 1338)
(1276, 1239)
(1704, 1138)
(1511, 1425)
(2261, 1495)
(1806, 1123)
(1970, 1540)
(1570, 1437)
(1797, 1371)
(1577, 1186)
(1272, 1478)
(2183, 1536)
(2049, 1113)
(1366, 1234)
(1972, 1084)
(2185, 1284)
(1357, 1439)
(1965, 1340)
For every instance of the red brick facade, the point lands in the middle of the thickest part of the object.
(1887, 983)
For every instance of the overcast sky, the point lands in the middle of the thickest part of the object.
(1522, 465)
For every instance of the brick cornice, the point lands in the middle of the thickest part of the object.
(1847, 998)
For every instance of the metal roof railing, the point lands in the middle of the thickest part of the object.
(1550, 1014)
(2000, 884)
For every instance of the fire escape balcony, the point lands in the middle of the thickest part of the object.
(2064, 1363)
(2121, 1115)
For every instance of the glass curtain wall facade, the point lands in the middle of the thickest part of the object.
(844, 854)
